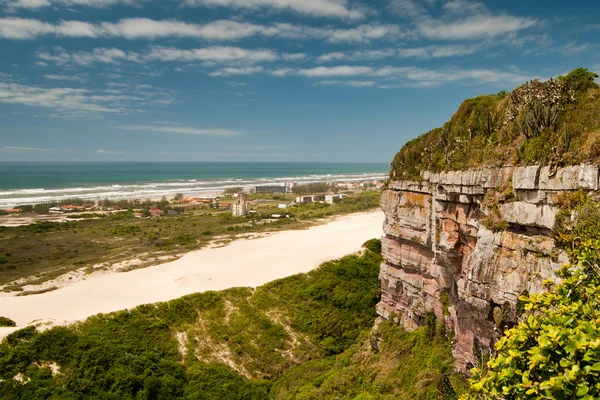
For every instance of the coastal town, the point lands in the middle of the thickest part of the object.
(238, 200)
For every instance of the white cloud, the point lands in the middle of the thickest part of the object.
(474, 27)
(20, 149)
(14, 5)
(427, 52)
(21, 28)
(345, 83)
(237, 71)
(465, 19)
(573, 48)
(210, 56)
(281, 72)
(102, 151)
(183, 130)
(64, 98)
(74, 78)
(29, 4)
(409, 76)
(220, 54)
(343, 70)
(144, 28)
(317, 8)
(294, 56)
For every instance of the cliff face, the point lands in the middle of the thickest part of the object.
(439, 255)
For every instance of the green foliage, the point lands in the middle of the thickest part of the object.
(390, 363)
(374, 245)
(539, 122)
(554, 350)
(581, 80)
(7, 322)
(537, 118)
(136, 354)
(312, 188)
(232, 190)
(578, 218)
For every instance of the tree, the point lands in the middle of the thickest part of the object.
(581, 79)
(178, 197)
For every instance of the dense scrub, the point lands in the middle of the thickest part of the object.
(554, 350)
(390, 363)
(216, 345)
(554, 122)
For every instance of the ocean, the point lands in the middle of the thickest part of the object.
(38, 182)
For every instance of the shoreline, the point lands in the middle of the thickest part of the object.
(247, 263)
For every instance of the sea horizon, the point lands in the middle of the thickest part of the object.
(38, 182)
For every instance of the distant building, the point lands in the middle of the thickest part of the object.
(240, 207)
(270, 189)
(306, 199)
(283, 205)
(289, 186)
(155, 212)
(330, 198)
(73, 208)
(12, 210)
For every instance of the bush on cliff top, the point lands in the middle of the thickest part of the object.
(553, 122)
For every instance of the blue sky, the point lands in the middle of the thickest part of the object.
(265, 80)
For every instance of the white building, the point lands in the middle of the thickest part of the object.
(240, 207)
(283, 205)
(306, 199)
(330, 198)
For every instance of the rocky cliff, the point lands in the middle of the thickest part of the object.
(467, 244)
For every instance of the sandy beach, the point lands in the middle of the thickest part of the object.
(241, 263)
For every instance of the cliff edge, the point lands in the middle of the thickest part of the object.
(465, 243)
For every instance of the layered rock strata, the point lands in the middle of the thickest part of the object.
(439, 256)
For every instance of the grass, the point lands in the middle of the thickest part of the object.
(45, 250)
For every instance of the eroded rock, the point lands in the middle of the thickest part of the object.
(436, 247)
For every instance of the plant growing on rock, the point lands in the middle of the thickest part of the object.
(538, 117)
(554, 351)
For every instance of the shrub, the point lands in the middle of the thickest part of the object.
(7, 322)
(374, 245)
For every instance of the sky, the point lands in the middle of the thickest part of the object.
(265, 80)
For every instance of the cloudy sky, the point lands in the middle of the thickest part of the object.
(265, 80)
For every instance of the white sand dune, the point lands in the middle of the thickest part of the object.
(241, 263)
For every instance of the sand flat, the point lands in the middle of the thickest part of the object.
(241, 263)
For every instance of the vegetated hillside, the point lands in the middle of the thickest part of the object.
(555, 122)
(216, 345)
(388, 364)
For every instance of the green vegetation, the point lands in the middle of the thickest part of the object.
(232, 190)
(374, 245)
(554, 123)
(387, 364)
(46, 249)
(7, 322)
(182, 348)
(312, 188)
(554, 350)
(308, 336)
